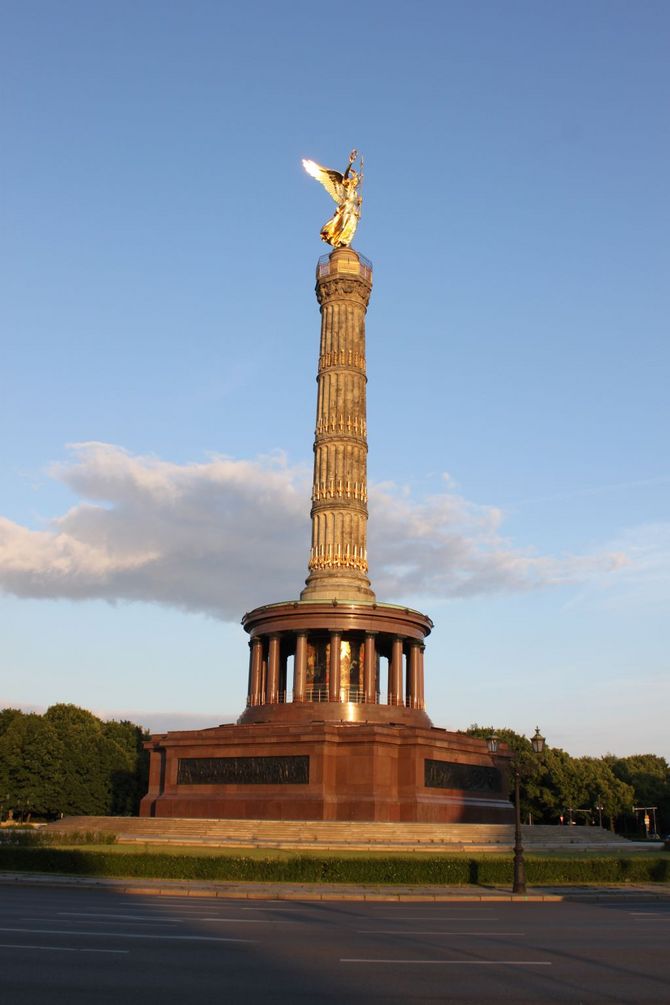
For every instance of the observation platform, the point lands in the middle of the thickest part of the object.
(315, 661)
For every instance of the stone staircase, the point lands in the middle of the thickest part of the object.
(336, 835)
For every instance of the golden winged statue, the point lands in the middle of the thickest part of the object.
(340, 229)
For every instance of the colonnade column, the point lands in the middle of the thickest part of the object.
(334, 669)
(370, 671)
(249, 678)
(395, 673)
(267, 683)
(272, 696)
(300, 667)
(413, 675)
(422, 695)
(256, 672)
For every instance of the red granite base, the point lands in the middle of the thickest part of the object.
(354, 772)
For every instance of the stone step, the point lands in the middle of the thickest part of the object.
(396, 847)
(334, 834)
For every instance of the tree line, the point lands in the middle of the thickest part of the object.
(557, 788)
(69, 762)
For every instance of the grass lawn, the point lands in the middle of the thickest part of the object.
(286, 854)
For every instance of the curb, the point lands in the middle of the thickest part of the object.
(318, 892)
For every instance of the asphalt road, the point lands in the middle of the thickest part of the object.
(98, 946)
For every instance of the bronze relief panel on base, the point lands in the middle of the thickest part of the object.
(290, 770)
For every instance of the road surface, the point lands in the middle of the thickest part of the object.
(74, 946)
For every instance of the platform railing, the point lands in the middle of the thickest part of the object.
(319, 693)
(365, 270)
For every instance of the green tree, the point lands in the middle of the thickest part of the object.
(557, 787)
(93, 760)
(84, 783)
(31, 767)
(69, 761)
(7, 717)
(536, 799)
(649, 777)
(129, 784)
(601, 786)
(515, 741)
(554, 783)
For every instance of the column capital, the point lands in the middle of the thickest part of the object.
(351, 289)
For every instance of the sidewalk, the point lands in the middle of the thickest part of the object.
(341, 891)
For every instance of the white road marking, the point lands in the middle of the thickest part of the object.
(115, 917)
(441, 911)
(219, 903)
(126, 935)
(101, 921)
(447, 918)
(194, 901)
(249, 921)
(63, 949)
(201, 902)
(459, 963)
(384, 931)
(170, 921)
(286, 910)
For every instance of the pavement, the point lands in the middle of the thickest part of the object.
(343, 891)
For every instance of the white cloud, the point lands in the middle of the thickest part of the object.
(225, 535)
(644, 582)
(446, 546)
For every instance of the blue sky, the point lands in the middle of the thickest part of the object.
(157, 249)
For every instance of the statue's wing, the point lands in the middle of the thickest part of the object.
(331, 180)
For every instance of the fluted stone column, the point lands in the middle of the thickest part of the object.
(413, 675)
(256, 688)
(334, 668)
(249, 686)
(300, 667)
(264, 672)
(395, 674)
(272, 696)
(370, 671)
(338, 564)
(422, 691)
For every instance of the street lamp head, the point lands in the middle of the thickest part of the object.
(537, 742)
(492, 744)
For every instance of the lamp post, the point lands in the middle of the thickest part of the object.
(537, 743)
(599, 807)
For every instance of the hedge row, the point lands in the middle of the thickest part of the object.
(448, 871)
(31, 838)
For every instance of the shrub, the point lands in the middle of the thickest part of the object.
(442, 871)
(40, 838)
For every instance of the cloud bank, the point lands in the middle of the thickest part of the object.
(223, 536)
